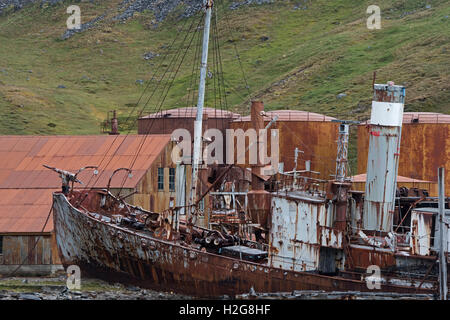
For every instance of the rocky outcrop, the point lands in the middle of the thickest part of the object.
(235, 5)
(160, 8)
(83, 27)
(127, 8)
(19, 4)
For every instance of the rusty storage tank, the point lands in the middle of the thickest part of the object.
(312, 133)
(165, 122)
(425, 146)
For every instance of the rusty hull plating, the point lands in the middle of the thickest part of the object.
(104, 248)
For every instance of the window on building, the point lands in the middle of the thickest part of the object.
(160, 178)
(1, 244)
(172, 179)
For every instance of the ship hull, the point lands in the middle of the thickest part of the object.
(107, 251)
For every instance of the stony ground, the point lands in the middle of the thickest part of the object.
(54, 288)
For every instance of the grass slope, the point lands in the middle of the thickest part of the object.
(310, 57)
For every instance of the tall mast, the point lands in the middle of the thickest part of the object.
(201, 99)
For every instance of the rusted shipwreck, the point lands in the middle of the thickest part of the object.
(308, 238)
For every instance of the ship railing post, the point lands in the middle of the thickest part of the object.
(442, 237)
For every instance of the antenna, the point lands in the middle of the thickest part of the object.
(342, 149)
(296, 152)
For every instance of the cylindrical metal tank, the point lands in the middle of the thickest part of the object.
(382, 162)
(312, 133)
(425, 146)
(165, 122)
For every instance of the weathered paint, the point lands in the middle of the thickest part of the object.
(421, 232)
(425, 230)
(259, 202)
(356, 211)
(108, 251)
(298, 229)
(424, 148)
(18, 249)
(382, 162)
(391, 263)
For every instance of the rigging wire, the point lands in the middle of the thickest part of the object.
(217, 73)
(166, 89)
(237, 52)
(163, 96)
(134, 108)
(142, 110)
(221, 72)
(194, 72)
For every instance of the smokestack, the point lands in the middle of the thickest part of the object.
(114, 124)
(384, 152)
(257, 119)
(258, 199)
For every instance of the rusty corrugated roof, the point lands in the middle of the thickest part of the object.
(25, 210)
(400, 179)
(191, 112)
(26, 186)
(22, 157)
(425, 117)
(422, 117)
(291, 115)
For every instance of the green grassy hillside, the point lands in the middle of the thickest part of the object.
(292, 58)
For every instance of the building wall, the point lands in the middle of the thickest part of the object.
(19, 249)
(424, 147)
(148, 196)
(20, 256)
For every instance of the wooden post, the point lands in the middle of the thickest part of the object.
(442, 237)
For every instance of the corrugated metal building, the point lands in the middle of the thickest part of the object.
(425, 146)
(26, 186)
(314, 134)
